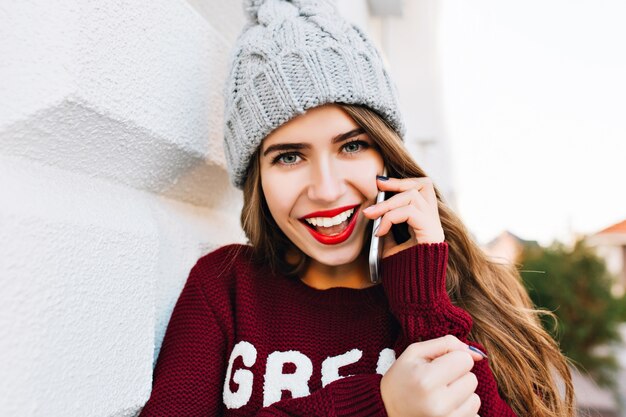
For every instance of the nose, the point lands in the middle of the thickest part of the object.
(327, 183)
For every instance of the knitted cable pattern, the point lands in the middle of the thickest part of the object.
(292, 56)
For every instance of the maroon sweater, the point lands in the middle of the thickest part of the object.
(242, 341)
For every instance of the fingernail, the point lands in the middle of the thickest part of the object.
(382, 177)
(480, 352)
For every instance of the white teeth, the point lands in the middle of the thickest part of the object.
(330, 221)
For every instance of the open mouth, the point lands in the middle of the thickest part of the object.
(330, 226)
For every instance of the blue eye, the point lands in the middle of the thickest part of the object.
(355, 146)
(286, 159)
(294, 158)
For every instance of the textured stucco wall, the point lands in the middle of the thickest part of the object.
(112, 185)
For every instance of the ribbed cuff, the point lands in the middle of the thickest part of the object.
(416, 275)
(359, 395)
(415, 283)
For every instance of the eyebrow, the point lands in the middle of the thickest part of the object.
(297, 146)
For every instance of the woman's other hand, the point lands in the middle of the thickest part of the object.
(415, 204)
(432, 379)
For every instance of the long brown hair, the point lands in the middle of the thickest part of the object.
(525, 360)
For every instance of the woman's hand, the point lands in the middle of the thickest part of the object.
(432, 379)
(416, 204)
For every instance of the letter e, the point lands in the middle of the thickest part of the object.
(331, 365)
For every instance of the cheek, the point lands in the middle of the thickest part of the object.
(277, 194)
(369, 188)
(366, 180)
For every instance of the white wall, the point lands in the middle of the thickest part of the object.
(112, 185)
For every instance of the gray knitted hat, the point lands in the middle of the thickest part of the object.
(292, 56)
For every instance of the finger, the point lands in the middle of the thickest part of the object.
(406, 214)
(424, 227)
(478, 352)
(434, 348)
(451, 366)
(423, 184)
(409, 197)
(460, 390)
(469, 408)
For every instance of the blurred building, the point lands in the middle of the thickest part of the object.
(610, 244)
(592, 400)
(507, 247)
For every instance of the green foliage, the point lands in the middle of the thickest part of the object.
(575, 285)
(621, 310)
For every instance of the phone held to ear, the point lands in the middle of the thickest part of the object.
(376, 246)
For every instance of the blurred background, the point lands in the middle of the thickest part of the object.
(113, 179)
(516, 109)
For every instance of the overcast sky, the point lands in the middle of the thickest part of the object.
(534, 105)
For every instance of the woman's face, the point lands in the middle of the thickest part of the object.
(318, 171)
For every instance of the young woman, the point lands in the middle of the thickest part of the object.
(291, 325)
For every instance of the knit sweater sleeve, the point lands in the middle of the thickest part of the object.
(356, 395)
(415, 283)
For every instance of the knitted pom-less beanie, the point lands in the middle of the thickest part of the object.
(292, 56)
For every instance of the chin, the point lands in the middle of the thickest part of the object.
(330, 255)
(336, 256)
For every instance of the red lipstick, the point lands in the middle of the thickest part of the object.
(338, 238)
(329, 213)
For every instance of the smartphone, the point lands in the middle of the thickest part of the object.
(376, 246)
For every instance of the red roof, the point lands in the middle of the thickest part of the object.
(616, 228)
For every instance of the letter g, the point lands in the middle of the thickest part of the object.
(243, 377)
